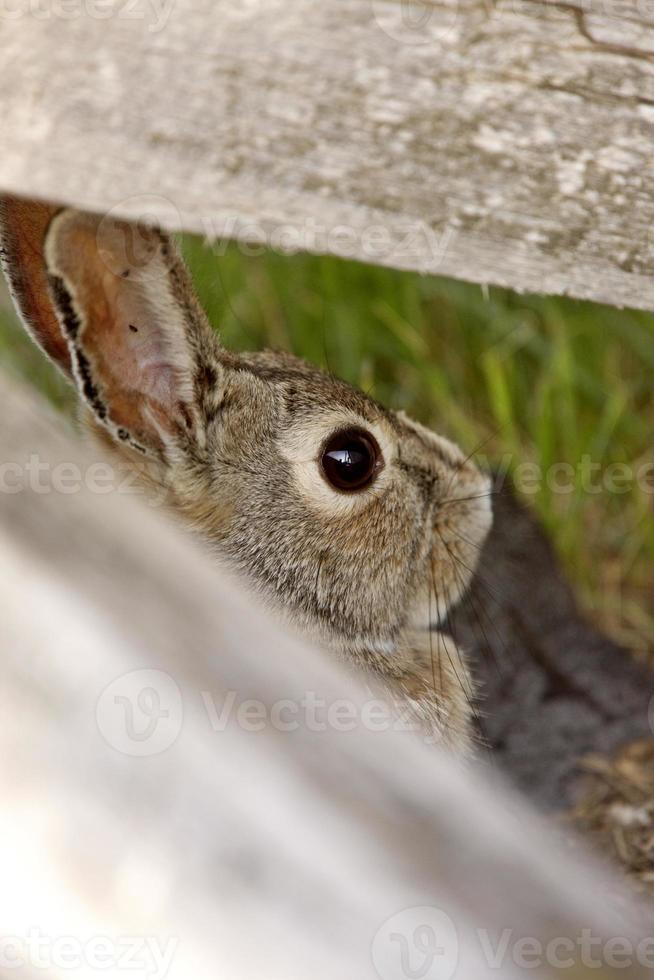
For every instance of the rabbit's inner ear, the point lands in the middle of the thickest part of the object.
(115, 289)
(23, 227)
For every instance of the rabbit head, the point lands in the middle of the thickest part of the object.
(355, 522)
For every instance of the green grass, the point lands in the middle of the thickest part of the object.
(528, 379)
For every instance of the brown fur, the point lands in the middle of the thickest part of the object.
(234, 442)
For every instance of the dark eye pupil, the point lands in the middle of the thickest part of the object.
(350, 460)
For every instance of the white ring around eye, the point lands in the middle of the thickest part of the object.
(301, 445)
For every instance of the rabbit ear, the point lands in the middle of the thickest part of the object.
(23, 225)
(140, 346)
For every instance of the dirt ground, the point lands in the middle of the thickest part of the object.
(616, 811)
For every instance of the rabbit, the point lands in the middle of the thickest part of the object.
(358, 525)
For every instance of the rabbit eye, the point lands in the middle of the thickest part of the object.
(351, 460)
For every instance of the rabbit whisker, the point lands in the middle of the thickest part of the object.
(431, 641)
(466, 690)
(478, 496)
(468, 541)
(478, 606)
(472, 572)
(474, 452)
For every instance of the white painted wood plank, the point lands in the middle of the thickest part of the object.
(236, 853)
(506, 142)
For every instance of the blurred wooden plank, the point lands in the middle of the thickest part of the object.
(128, 810)
(505, 142)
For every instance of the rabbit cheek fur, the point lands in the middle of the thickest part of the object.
(236, 442)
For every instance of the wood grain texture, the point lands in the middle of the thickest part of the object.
(255, 853)
(501, 142)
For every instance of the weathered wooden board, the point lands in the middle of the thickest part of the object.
(501, 142)
(234, 849)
